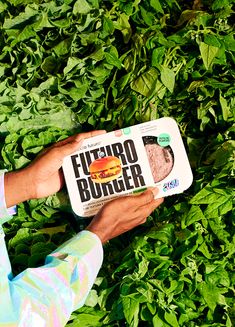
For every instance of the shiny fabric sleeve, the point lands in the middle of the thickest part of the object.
(5, 213)
(46, 296)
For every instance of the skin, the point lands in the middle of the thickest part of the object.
(44, 177)
(124, 213)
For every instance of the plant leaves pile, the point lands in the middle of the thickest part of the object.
(71, 66)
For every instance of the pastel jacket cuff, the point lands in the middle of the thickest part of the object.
(47, 295)
(5, 213)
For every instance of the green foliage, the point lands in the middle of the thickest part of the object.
(67, 66)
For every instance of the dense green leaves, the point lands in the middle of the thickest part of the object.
(73, 65)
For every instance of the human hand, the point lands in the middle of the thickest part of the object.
(43, 176)
(124, 213)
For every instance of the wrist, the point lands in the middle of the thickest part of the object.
(97, 232)
(17, 187)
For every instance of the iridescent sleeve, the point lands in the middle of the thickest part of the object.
(5, 213)
(46, 296)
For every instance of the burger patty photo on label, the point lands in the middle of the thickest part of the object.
(161, 159)
(106, 169)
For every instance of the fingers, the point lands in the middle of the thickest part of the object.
(143, 198)
(123, 214)
(65, 141)
(71, 144)
(67, 149)
(87, 135)
(136, 201)
(150, 207)
(79, 137)
(146, 210)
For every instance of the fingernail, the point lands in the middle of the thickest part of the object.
(154, 191)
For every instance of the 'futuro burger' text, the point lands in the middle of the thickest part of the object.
(131, 177)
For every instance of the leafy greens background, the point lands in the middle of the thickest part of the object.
(67, 66)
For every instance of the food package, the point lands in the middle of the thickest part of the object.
(127, 161)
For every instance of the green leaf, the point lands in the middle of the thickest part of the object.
(164, 234)
(229, 42)
(143, 267)
(219, 201)
(72, 63)
(81, 7)
(203, 248)
(113, 60)
(219, 4)
(148, 17)
(157, 56)
(145, 84)
(52, 230)
(208, 53)
(22, 19)
(225, 108)
(3, 6)
(42, 247)
(22, 235)
(87, 316)
(50, 65)
(21, 260)
(212, 40)
(194, 214)
(124, 26)
(157, 6)
(218, 228)
(108, 26)
(130, 309)
(212, 295)
(63, 47)
(168, 78)
(92, 299)
(158, 322)
(171, 319)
